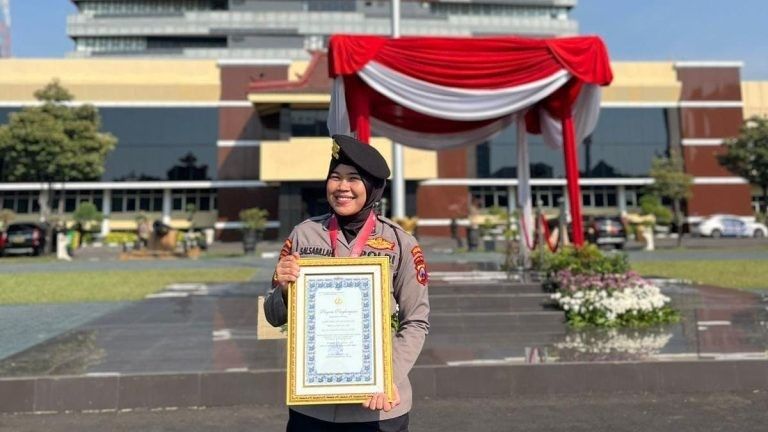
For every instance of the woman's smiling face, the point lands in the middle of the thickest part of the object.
(345, 190)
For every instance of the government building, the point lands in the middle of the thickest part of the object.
(223, 104)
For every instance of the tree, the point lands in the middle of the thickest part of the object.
(87, 215)
(747, 155)
(254, 223)
(54, 142)
(671, 181)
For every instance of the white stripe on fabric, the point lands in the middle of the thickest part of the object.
(456, 103)
(439, 141)
(586, 112)
(338, 116)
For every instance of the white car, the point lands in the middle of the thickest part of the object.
(717, 226)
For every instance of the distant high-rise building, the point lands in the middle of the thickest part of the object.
(286, 29)
(5, 28)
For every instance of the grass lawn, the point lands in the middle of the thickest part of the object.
(105, 286)
(745, 274)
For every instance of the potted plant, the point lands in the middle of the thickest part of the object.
(254, 222)
(86, 217)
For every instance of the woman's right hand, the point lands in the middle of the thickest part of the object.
(287, 270)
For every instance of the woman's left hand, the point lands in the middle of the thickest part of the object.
(380, 401)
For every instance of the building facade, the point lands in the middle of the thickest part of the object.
(268, 29)
(231, 134)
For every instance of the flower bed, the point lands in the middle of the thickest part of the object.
(598, 290)
(611, 300)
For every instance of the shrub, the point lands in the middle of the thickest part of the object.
(584, 260)
(254, 218)
(120, 237)
(651, 204)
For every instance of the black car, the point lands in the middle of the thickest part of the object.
(599, 230)
(24, 237)
(605, 231)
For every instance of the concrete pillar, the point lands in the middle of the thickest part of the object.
(44, 194)
(106, 211)
(621, 196)
(167, 206)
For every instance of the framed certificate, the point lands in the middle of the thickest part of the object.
(339, 331)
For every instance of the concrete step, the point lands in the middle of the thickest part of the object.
(496, 322)
(490, 302)
(494, 340)
(483, 287)
(503, 378)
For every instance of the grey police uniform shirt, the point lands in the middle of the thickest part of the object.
(409, 294)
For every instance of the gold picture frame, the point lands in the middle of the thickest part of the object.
(339, 331)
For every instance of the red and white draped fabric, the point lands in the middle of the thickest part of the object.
(437, 93)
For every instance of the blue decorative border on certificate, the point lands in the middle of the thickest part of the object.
(365, 374)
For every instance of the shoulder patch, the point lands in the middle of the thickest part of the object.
(286, 250)
(421, 266)
(380, 243)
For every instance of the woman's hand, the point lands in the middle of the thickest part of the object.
(380, 401)
(287, 270)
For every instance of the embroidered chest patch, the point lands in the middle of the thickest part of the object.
(421, 266)
(380, 243)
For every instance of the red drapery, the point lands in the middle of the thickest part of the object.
(483, 64)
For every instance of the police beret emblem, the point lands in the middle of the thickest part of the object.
(335, 150)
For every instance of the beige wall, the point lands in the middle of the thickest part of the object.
(306, 159)
(114, 80)
(643, 82)
(755, 95)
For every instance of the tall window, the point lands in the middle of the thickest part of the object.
(20, 202)
(202, 199)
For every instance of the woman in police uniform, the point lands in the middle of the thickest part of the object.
(355, 183)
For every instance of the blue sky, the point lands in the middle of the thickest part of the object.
(632, 29)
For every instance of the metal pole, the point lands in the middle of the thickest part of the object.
(398, 169)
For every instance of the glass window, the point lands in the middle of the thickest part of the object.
(160, 149)
(205, 203)
(22, 205)
(309, 122)
(624, 143)
(144, 204)
(599, 199)
(70, 204)
(117, 202)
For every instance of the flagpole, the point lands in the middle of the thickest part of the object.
(398, 171)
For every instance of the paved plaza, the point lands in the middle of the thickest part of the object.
(494, 335)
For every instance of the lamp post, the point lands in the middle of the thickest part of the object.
(398, 170)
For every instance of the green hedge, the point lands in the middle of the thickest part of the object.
(121, 237)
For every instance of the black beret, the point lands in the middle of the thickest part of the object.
(362, 156)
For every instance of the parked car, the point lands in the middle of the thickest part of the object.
(600, 230)
(24, 237)
(757, 229)
(720, 225)
(605, 231)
